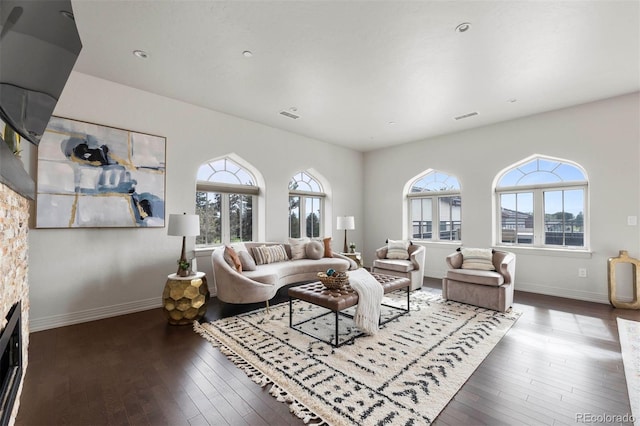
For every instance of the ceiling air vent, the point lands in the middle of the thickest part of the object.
(289, 114)
(460, 117)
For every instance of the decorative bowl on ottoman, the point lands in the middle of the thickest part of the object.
(334, 281)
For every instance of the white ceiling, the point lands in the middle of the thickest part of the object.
(353, 68)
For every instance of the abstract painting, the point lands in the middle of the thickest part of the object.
(92, 176)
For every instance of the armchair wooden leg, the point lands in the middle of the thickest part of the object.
(267, 305)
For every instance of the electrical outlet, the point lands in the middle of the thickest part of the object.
(632, 220)
(582, 272)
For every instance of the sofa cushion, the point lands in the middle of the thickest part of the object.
(269, 254)
(314, 250)
(398, 265)
(264, 274)
(298, 246)
(231, 257)
(477, 258)
(397, 249)
(476, 276)
(247, 262)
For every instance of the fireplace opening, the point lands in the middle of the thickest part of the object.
(11, 362)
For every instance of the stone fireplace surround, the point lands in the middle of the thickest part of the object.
(14, 225)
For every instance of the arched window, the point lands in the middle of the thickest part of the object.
(306, 200)
(435, 207)
(226, 195)
(542, 203)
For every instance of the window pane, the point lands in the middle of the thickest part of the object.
(517, 218)
(449, 215)
(294, 217)
(540, 171)
(524, 217)
(312, 209)
(563, 217)
(421, 218)
(304, 182)
(247, 218)
(208, 205)
(435, 181)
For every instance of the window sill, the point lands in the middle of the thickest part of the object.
(199, 251)
(545, 251)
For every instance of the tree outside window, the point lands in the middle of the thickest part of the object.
(225, 196)
(306, 201)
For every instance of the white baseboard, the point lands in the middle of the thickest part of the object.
(55, 321)
(586, 296)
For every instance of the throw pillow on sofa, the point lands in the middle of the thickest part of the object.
(398, 249)
(298, 247)
(327, 247)
(231, 257)
(248, 264)
(269, 254)
(314, 250)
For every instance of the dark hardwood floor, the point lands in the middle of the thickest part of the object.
(560, 360)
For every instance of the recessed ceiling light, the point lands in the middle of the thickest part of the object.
(512, 100)
(67, 14)
(141, 54)
(247, 53)
(392, 123)
(465, 26)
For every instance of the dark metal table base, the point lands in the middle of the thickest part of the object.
(338, 312)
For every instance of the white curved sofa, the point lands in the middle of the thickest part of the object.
(263, 283)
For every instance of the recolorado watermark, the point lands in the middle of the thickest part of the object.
(604, 418)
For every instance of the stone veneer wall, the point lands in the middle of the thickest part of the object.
(14, 226)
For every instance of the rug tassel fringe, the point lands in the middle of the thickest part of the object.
(297, 408)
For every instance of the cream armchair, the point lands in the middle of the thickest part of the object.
(412, 268)
(487, 289)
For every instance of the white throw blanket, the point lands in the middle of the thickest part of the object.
(370, 294)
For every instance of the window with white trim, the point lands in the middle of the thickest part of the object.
(435, 207)
(542, 203)
(306, 200)
(225, 198)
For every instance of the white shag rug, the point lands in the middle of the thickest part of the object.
(406, 374)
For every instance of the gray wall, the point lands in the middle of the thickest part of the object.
(83, 274)
(603, 137)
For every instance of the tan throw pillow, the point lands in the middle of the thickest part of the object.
(298, 246)
(269, 254)
(232, 258)
(327, 247)
(398, 249)
(315, 250)
(477, 258)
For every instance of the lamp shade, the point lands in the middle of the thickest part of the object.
(346, 223)
(184, 225)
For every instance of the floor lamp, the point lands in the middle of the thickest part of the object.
(346, 223)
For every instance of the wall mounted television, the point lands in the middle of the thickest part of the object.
(39, 45)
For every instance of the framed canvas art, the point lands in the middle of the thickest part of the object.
(93, 176)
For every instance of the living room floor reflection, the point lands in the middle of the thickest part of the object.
(560, 360)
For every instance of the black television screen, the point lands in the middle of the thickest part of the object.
(39, 45)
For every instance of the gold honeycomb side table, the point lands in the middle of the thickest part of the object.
(185, 298)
